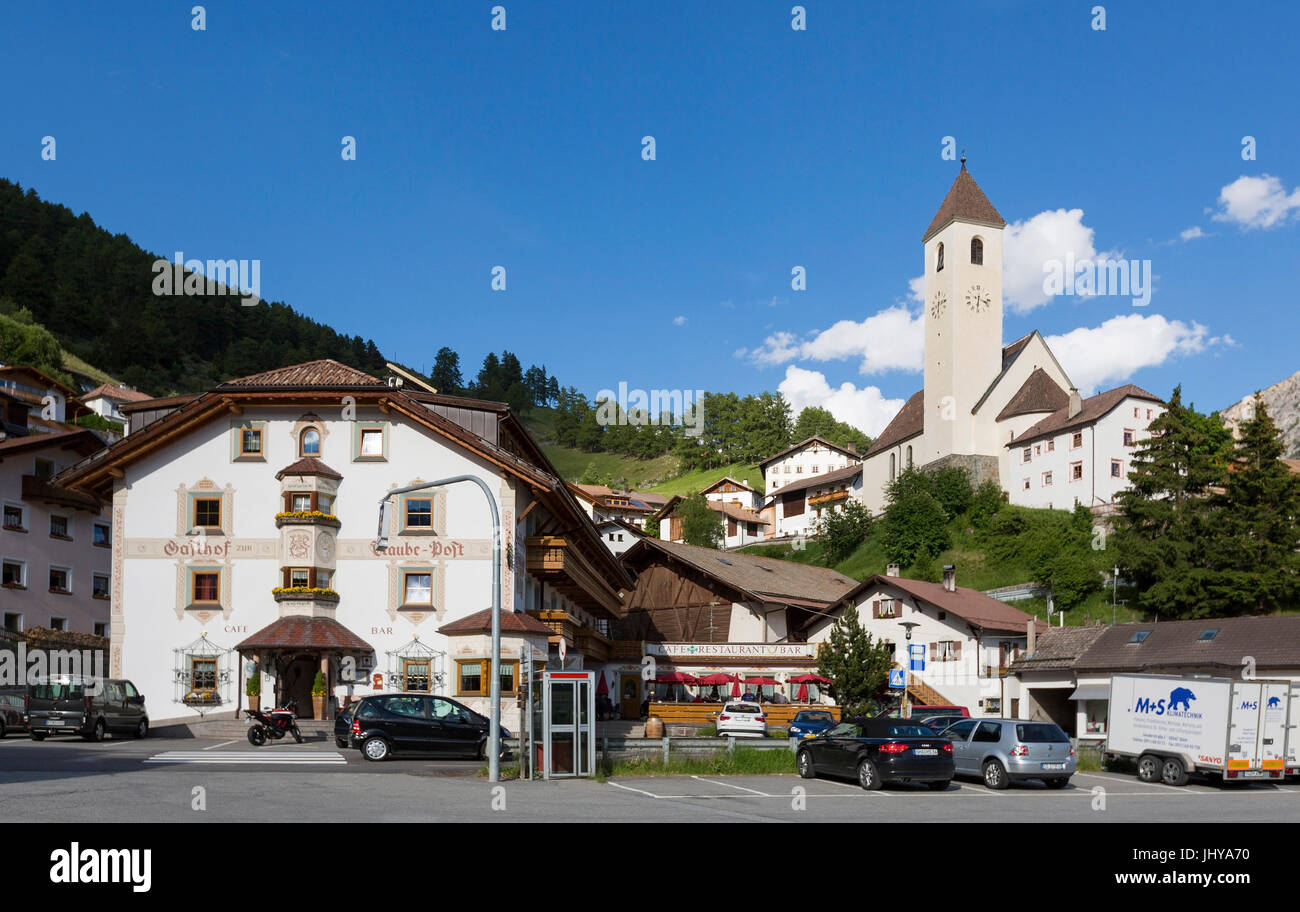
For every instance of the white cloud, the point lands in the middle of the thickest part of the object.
(1121, 346)
(1030, 244)
(866, 408)
(893, 339)
(679, 321)
(1257, 202)
(1192, 233)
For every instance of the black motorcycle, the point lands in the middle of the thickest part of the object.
(274, 724)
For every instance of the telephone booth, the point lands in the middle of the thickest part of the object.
(563, 720)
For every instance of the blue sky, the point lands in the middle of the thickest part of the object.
(774, 148)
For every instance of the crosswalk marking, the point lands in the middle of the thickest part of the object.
(251, 758)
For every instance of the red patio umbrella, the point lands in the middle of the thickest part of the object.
(809, 679)
(735, 687)
(803, 693)
(676, 677)
(602, 688)
(716, 678)
(762, 682)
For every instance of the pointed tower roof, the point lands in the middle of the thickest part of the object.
(966, 201)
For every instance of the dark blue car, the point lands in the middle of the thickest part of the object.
(809, 723)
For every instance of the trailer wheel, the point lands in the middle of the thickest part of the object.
(1173, 772)
(1149, 768)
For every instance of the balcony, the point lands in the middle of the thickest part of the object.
(594, 645)
(832, 497)
(39, 490)
(307, 518)
(555, 561)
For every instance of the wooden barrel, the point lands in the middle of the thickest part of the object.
(654, 727)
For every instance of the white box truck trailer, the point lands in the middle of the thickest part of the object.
(1172, 726)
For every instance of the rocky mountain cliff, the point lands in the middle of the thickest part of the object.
(1282, 400)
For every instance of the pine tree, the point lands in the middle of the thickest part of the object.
(857, 667)
(445, 375)
(1256, 518)
(1165, 532)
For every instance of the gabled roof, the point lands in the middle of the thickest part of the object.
(636, 500)
(325, 372)
(815, 439)
(1058, 647)
(1009, 355)
(909, 422)
(965, 201)
(727, 478)
(1093, 408)
(971, 605)
(1039, 393)
(82, 442)
(45, 379)
(1274, 642)
(813, 481)
(761, 579)
(511, 622)
(308, 465)
(116, 393)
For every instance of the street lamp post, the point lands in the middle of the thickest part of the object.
(381, 544)
(907, 626)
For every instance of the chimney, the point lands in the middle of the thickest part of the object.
(852, 448)
(1076, 404)
(950, 577)
(1031, 642)
(891, 570)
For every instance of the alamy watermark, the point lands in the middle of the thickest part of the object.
(241, 278)
(21, 667)
(1105, 276)
(639, 408)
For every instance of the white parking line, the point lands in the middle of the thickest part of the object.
(740, 787)
(222, 744)
(1181, 789)
(638, 791)
(251, 758)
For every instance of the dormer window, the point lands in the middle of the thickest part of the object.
(940, 266)
(309, 442)
(976, 252)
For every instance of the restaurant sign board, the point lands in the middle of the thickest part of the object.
(732, 650)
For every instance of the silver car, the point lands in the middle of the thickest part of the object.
(1003, 751)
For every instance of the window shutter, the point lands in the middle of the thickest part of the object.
(934, 652)
(956, 650)
(875, 608)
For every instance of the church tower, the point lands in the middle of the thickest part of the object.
(963, 315)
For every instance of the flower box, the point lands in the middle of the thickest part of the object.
(307, 518)
(303, 593)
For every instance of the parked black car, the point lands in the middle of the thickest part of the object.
(90, 707)
(416, 723)
(879, 750)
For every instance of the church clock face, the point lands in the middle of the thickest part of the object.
(938, 305)
(978, 300)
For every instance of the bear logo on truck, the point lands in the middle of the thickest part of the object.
(1183, 696)
(1274, 702)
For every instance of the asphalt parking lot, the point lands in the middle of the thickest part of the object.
(156, 779)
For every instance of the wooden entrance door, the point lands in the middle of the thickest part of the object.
(629, 695)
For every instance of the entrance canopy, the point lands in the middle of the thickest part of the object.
(1091, 692)
(305, 633)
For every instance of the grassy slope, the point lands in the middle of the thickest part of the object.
(974, 569)
(74, 364)
(660, 474)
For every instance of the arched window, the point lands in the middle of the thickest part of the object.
(977, 251)
(940, 269)
(909, 457)
(309, 442)
(892, 469)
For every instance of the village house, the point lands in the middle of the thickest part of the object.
(619, 535)
(55, 543)
(962, 640)
(245, 516)
(698, 611)
(741, 525)
(1065, 676)
(601, 502)
(50, 404)
(107, 400)
(786, 477)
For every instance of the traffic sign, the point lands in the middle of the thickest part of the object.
(897, 679)
(917, 653)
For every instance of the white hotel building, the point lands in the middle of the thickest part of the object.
(244, 518)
